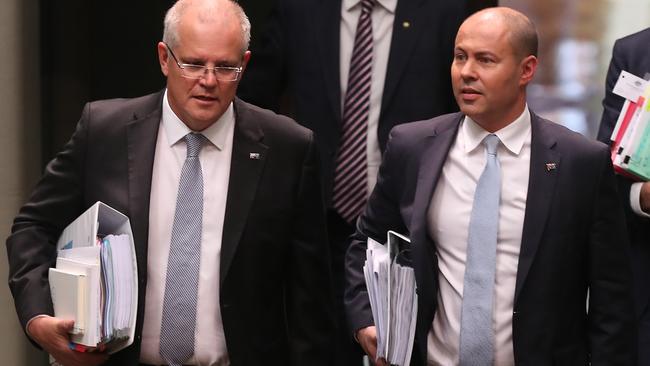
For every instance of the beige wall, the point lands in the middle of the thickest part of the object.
(20, 157)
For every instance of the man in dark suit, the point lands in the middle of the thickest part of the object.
(262, 290)
(304, 67)
(630, 54)
(552, 230)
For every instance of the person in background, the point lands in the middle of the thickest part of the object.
(350, 70)
(630, 54)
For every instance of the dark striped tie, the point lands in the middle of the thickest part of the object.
(351, 173)
(181, 286)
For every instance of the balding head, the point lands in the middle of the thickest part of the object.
(521, 31)
(208, 10)
(494, 61)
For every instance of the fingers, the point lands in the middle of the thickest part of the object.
(368, 340)
(52, 334)
(64, 326)
(381, 362)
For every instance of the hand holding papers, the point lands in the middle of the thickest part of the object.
(391, 288)
(631, 135)
(95, 279)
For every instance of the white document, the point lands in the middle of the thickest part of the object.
(629, 86)
(390, 281)
(79, 261)
(68, 291)
(111, 270)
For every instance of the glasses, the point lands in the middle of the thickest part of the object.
(221, 73)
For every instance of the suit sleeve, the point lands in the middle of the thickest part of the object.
(309, 292)
(612, 103)
(265, 78)
(381, 214)
(611, 310)
(31, 247)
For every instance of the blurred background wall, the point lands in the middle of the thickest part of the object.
(576, 39)
(20, 160)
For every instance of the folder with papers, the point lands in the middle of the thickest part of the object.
(630, 145)
(393, 300)
(95, 279)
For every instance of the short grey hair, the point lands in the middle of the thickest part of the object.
(174, 14)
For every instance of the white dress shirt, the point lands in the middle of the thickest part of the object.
(383, 15)
(448, 223)
(635, 199)
(210, 344)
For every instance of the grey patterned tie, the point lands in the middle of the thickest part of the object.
(476, 332)
(179, 306)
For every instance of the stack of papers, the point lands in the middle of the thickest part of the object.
(391, 289)
(95, 279)
(631, 135)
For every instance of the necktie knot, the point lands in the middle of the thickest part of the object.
(491, 142)
(367, 5)
(194, 142)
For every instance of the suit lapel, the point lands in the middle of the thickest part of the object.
(432, 160)
(245, 172)
(433, 156)
(142, 133)
(403, 42)
(329, 16)
(541, 187)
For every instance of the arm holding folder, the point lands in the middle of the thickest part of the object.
(631, 54)
(31, 249)
(381, 215)
(628, 54)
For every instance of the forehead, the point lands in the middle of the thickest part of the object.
(486, 34)
(218, 35)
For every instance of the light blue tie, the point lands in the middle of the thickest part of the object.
(476, 332)
(179, 306)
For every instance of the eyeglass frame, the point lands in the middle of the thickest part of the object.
(238, 70)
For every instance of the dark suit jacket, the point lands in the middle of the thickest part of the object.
(630, 54)
(299, 55)
(275, 300)
(573, 240)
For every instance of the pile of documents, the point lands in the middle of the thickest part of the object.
(631, 135)
(391, 288)
(95, 279)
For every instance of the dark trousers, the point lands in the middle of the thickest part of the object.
(348, 351)
(644, 336)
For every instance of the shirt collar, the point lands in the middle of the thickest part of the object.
(389, 5)
(513, 136)
(175, 129)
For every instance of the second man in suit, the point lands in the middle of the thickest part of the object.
(512, 219)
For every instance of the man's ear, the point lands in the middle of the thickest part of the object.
(528, 68)
(245, 59)
(163, 58)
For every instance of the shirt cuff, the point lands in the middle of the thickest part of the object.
(30, 322)
(635, 199)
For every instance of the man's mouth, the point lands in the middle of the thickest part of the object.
(205, 98)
